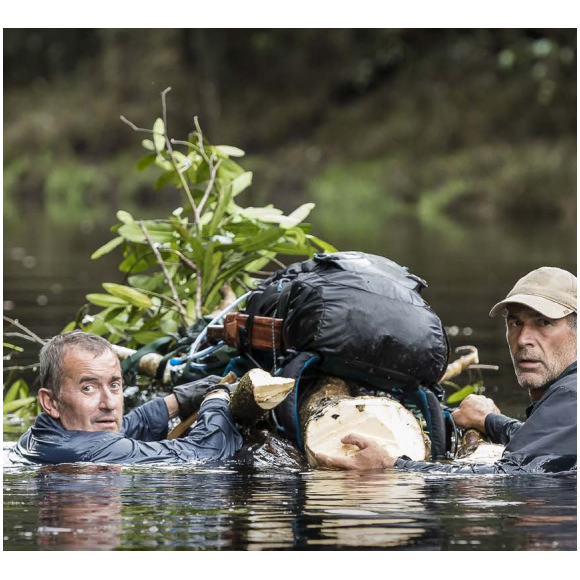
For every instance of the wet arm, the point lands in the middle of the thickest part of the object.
(500, 429)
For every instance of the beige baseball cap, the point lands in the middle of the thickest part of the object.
(549, 291)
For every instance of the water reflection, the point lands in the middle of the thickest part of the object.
(79, 507)
(241, 508)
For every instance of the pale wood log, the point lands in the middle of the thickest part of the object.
(329, 413)
(148, 364)
(458, 366)
(257, 393)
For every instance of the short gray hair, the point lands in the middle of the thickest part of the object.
(572, 320)
(53, 352)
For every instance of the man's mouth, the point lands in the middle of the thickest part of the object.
(529, 364)
(106, 422)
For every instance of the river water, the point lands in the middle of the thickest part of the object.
(469, 267)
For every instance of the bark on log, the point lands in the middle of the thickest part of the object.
(474, 447)
(329, 412)
(257, 393)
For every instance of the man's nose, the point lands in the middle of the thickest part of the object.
(108, 400)
(527, 336)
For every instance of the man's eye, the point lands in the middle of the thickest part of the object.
(88, 388)
(544, 322)
(116, 386)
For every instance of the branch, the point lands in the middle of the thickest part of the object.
(199, 279)
(164, 104)
(29, 332)
(20, 335)
(166, 274)
(22, 368)
(134, 127)
(209, 187)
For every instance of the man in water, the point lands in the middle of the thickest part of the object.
(541, 318)
(82, 398)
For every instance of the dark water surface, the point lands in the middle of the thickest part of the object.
(235, 508)
(47, 272)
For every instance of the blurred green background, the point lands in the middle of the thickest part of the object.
(451, 151)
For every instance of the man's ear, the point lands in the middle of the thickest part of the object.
(49, 403)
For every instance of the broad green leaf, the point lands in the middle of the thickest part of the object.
(147, 336)
(461, 394)
(129, 294)
(14, 405)
(260, 263)
(241, 183)
(329, 248)
(148, 144)
(70, 326)
(108, 247)
(268, 213)
(151, 282)
(297, 216)
(228, 150)
(220, 209)
(125, 217)
(106, 300)
(13, 391)
(159, 134)
(13, 347)
(262, 241)
(146, 161)
(158, 232)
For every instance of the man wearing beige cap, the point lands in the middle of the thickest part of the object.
(540, 313)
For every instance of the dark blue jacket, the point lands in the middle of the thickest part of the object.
(141, 439)
(545, 443)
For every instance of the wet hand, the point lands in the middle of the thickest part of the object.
(473, 411)
(370, 456)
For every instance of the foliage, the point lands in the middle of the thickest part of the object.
(19, 408)
(463, 392)
(181, 268)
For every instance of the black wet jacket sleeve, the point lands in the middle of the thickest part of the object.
(545, 443)
(214, 437)
(149, 422)
(500, 429)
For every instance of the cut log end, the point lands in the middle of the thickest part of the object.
(257, 393)
(269, 390)
(383, 420)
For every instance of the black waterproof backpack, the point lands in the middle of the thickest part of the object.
(356, 316)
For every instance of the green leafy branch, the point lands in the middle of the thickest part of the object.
(185, 266)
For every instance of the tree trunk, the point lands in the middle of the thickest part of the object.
(329, 412)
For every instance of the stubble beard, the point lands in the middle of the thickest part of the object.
(549, 371)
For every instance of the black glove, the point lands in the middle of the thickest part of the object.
(190, 395)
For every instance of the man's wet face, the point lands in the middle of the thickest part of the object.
(91, 392)
(541, 348)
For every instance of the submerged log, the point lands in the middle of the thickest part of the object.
(329, 413)
(474, 447)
